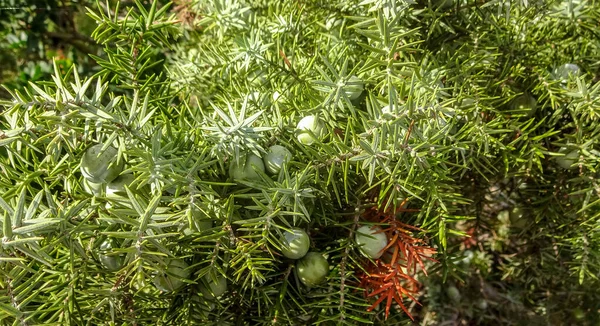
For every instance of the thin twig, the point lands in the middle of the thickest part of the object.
(345, 258)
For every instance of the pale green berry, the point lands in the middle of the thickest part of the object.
(453, 293)
(371, 241)
(116, 188)
(110, 262)
(309, 129)
(353, 87)
(295, 244)
(524, 104)
(91, 187)
(215, 289)
(171, 279)
(569, 158)
(246, 169)
(567, 70)
(312, 269)
(276, 157)
(99, 166)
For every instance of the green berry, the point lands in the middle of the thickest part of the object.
(110, 262)
(353, 87)
(482, 304)
(517, 218)
(309, 129)
(564, 72)
(215, 289)
(99, 166)
(295, 244)
(524, 104)
(371, 240)
(246, 169)
(569, 158)
(200, 218)
(92, 188)
(277, 156)
(116, 188)
(312, 269)
(170, 280)
(453, 293)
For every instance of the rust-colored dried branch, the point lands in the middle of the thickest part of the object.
(184, 12)
(391, 278)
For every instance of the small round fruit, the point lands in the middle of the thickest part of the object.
(566, 161)
(99, 167)
(371, 240)
(309, 129)
(215, 289)
(246, 169)
(354, 87)
(259, 100)
(453, 293)
(468, 256)
(171, 279)
(277, 96)
(277, 156)
(192, 54)
(563, 72)
(257, 77)
(110, 262)
(92, 188)
(205, 307)
(524, 104)
(578, 313)
(386, 110)
(332, 21)
(482, 304)
(200, 218)
(295, 244)
(517, 218)
(388, 113)
(116, 187)
(312, 269)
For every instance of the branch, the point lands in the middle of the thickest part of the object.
(14, 302)
(345, 259)
(79, 41)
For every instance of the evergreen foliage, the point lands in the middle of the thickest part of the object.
(490, 203)
(34, 32)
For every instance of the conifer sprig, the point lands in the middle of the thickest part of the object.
(422, 126)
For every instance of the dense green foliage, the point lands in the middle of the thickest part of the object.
(460, 115)
(34, 32)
